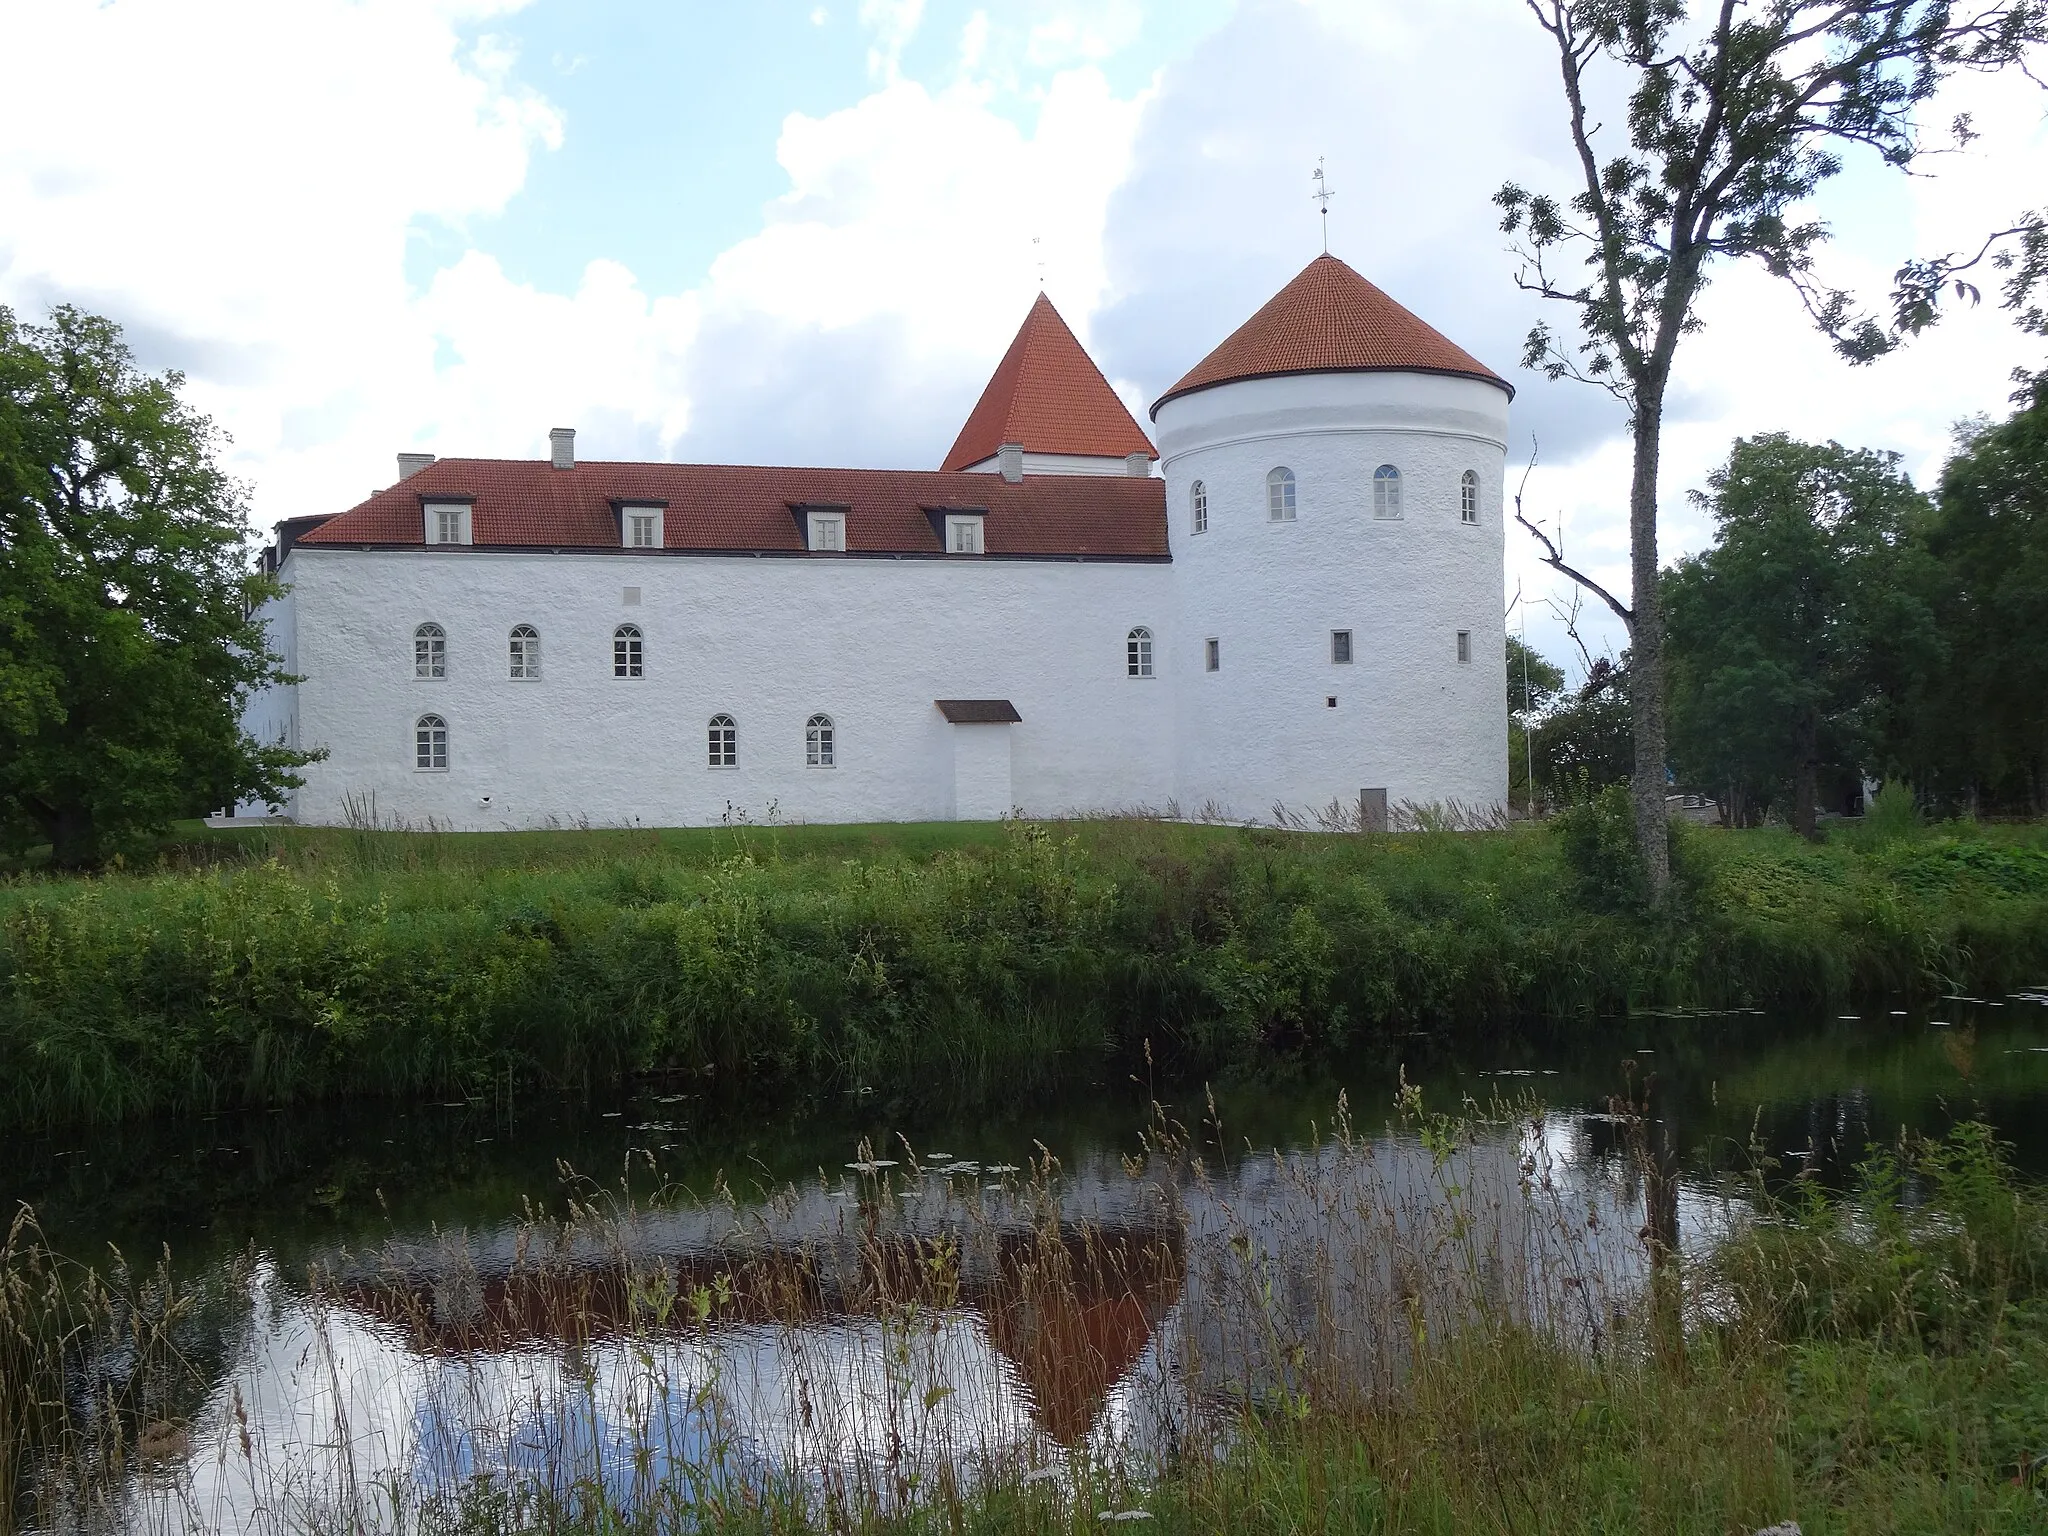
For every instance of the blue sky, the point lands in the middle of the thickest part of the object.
(804, 232)
(692, 96)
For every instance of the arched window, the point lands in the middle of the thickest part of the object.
(1386, 491)
(627, 656)
(430, 742)
(1468, 496)
(1198, 504)
(525, 651)
(430, 651)
(1280, 495)
(818, 741)
(1138, 652)
(723, 741)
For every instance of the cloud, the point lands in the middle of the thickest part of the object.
(245, 192)
(241, 189)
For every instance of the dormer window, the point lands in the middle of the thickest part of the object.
(963, 534)
(639, 526)
(825, 532)
(447, 522)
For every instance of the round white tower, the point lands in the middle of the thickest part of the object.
(1334, 489)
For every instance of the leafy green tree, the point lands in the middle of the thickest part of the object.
(127, 642)
(1796, 639)
(1534, 681)
(1533, 678)
(1984, 724)
(1736, 114)
(1586, 741)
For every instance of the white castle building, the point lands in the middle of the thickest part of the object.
(1301, 607)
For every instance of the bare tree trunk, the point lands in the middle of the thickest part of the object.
(1646, 649)
(73, 838)
(1805, 777)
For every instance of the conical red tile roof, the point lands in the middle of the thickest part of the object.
(1047, 394)
(1330, 320)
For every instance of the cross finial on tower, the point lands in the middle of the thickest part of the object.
(1322, 196)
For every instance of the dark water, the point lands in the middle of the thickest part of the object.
(316, 1176)
(430, 1352)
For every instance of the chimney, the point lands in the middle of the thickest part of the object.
(1010, 460)
(562, 447)
(1138, 465)
(410, 464)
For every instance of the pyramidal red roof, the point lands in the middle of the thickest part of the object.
(1330, 320)
(1048, 394)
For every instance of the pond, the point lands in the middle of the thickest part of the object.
(388, 1306)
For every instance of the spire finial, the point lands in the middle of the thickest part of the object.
(1322, 196)
(1038, 253)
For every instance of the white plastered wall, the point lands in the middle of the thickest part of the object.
(771, 641)
(1409, 717)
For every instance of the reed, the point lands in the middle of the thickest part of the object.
(1436, 1328)
(925, 963)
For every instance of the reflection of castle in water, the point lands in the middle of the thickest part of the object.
(861, 1333)
(1228, 1283)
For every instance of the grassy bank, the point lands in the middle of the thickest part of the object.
(280, 966)
(1866, 1364)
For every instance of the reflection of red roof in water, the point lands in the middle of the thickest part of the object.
(1048, 394)
(1070, 1309)
(1074, 1323)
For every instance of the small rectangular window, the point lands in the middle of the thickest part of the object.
(1212, 655)
(963, 535)
(1464, 645)
(1340, 647)
(828, 532)
(643, 530)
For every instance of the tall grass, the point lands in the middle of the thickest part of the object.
(1434, 1330)
(926, 962)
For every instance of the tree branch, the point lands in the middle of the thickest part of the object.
(1554, 558)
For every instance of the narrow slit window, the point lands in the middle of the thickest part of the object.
(1212, 655)
(1138, 652)
(1386, 491)
(1464, 645)
(1280, 495)
(525, 648)
(1468, 497)
(1340, 647)
(430, 743)
(818, 742)
(430, 651)
(723, 741)
(628, 655)
(1198, 505)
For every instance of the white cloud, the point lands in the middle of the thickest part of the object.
(894, 23)
(244, 190)
(238, 185)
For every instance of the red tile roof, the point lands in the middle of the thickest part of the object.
(1048, 394)
(737, 508)
(1330, 320)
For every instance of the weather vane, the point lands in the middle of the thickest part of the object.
(1322, 196)
(1038, 252)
